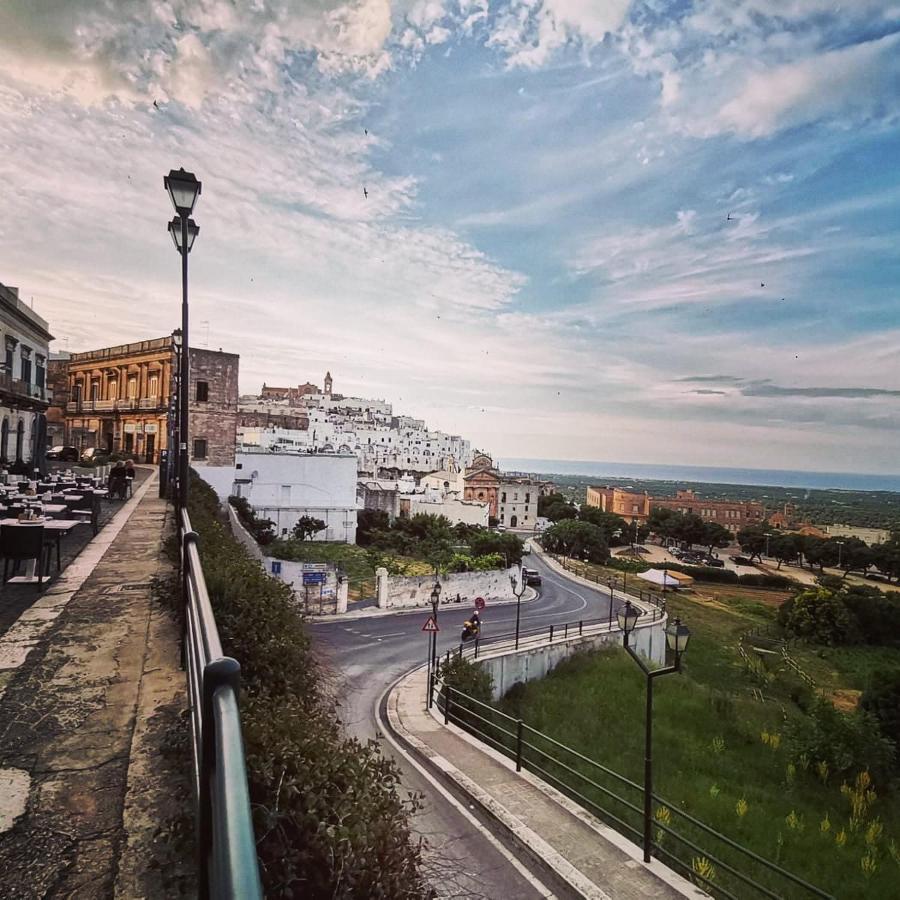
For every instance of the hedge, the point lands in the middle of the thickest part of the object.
(329, 817)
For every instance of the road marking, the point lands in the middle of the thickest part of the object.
(393, 634)
(532, 879)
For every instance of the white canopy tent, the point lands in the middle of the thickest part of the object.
(661, 578)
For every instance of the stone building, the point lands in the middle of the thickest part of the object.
(120, 398)
(23, 382)
(58, 395)
(636, 507)
(518, 502)
(213, 409)
(482, 482)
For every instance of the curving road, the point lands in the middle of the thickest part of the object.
(368, 655)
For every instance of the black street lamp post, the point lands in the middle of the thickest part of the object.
(435, 600)
(677, 637)
(183, 189)
(518, 591)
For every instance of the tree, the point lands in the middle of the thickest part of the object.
(662, 521)
(370, 522)
(819, 616)
(886, 558)
(580, 540)
(752, 541)
(634, 533)
(819, 552)
(560, 510)
(483, 543)
(715, 535)
(546, 500)
(854, 555)
(612, 525)
(307, 526)
(882, 700)
(689, 528)
(784, 547)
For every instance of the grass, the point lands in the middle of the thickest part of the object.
(357, 563)
(711, 760)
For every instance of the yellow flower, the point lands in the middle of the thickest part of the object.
(841, 838)
(868, 865)
(704, 868)
(741, 808)
(825, 825)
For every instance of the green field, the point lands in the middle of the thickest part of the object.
(715, 754)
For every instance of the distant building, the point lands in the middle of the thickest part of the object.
(58, 395)
(482, 482)
(23, 382)
(866, 535)
(517, 503)
(213, 408)
(636, 507)
(451, 507)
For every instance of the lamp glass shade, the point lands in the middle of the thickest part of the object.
(183, 189)
(677, 636)
(627, 617)
(175, 230)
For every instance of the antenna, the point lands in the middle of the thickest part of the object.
(206, 342)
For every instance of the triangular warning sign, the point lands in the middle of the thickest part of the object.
(430, 625)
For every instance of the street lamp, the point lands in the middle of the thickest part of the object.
(435, 600)
(768, 534)
(518, 591)
(677, 638)
(183, 189)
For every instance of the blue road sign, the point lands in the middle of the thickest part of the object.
(313, 578)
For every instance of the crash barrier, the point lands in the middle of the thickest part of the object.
(226, 847)
(710, 859)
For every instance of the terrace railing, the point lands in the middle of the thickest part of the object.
(226, 845)
(712, 860)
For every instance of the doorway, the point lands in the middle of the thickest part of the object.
(513, 521)
(149, 447)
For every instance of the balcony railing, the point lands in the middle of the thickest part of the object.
(21, 389)
(123, 405)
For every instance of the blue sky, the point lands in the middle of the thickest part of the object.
(639, 231)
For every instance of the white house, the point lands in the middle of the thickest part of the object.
(517, 503)
(23, 381)
(285, 486)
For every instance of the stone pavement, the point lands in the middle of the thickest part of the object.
(589, 857)
(90, 695)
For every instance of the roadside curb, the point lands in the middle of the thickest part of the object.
(531, 844)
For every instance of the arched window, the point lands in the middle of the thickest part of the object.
(20, 439)
(4, 438)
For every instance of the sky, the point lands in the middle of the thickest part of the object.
(656, 231)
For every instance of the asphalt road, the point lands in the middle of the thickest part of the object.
(367, 655)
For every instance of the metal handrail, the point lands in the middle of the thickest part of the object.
(226, 846)
(452, 702)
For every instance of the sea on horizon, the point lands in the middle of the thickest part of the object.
(788, 478)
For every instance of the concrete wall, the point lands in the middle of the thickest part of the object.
(509, 667)
(469, 512)
(331, 599)
(404, 591)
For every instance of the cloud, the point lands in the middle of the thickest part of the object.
(848, 393)
(707, 392)
(715, 379)
(854, 81)
(530, 32)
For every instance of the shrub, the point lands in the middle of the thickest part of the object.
(467, 678)
(818, 615)
(263, 530)
(882, 701)
(846, 744)
(329, 817)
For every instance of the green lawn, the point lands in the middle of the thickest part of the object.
(710, 755)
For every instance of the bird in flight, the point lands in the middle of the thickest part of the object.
(366, 193)
(156, 104)
(762, 284)
(366, 130)
(728, 218)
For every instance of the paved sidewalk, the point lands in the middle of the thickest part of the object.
(91, 690)
(593, 859)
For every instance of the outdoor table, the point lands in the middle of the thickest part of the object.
(59, 526)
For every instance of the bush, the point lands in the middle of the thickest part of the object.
(819, 616)
(882, 701)
(467, 677)
(847, 744)
(329, 817)
(263, 530)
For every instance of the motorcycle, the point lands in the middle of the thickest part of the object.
(471, 629)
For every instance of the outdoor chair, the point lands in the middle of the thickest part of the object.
(87, 510)
(18, 543)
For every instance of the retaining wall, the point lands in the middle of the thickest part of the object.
(405, 591)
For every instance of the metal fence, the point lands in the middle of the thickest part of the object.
(710, 859)
(226, 847)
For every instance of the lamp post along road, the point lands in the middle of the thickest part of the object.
(677, 637)
(183, 189)
(435, 600)
(518, 591)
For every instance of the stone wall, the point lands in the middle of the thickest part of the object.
(408, 592)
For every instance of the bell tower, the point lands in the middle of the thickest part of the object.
(328, 384)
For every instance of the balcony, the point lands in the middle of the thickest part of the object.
(127, 404)
(21, 392)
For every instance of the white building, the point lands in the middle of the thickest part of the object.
(866, 535)
(23, 382)
(284, 487)
(517, 503)
(451, 506)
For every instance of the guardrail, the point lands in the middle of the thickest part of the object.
(226, 847)
(709, 858)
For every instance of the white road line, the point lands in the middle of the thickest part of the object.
(535, 882)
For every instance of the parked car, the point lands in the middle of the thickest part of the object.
(715, 562)
(531, 576)
(741, 560)
(63, 454)
(94, 456)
